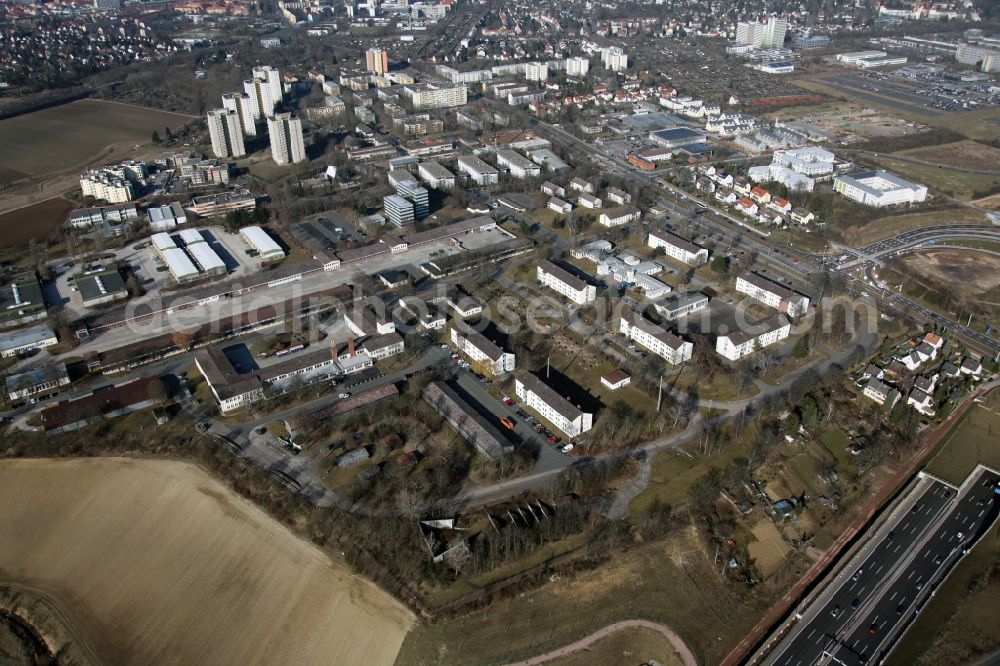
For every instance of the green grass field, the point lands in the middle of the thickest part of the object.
(976, 439)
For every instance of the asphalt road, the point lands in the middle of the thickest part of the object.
(886, 582)
(886, 615)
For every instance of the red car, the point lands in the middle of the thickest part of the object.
(538, 428)
(507, 400)
(553, 439)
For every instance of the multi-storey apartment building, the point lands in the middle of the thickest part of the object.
(563, 282)
(551, 406)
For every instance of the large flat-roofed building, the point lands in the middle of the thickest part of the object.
(681, 305)
(285, 133)
(468, 76)
(483, 352)
(398, 210)
(25, 340)
(773, 294)
(738, 344)
(109, 220)
(670, 347)
(551, 406)
(106, 187)
(99, 288)
(181, 268)
(479, 171)
(21, 301)
(518, 165)
(563, 282)
(436, 175)
(677, 137)
(677, 248)
(259, 240)
(205, 258)
(425, 96)
(987, 59)
(466, 420)
(219, 204)
(879, 189)
(165, 218)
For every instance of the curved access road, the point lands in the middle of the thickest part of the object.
(683, 651)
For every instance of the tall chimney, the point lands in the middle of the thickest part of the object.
(350, 346)
(333, 348)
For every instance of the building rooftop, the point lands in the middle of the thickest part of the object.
(561, 274)
(549, 396)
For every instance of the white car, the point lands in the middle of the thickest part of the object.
(344, 395)
(567, 447)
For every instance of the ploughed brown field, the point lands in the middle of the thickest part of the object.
(37, 221)
(156, 562)
(70, 135)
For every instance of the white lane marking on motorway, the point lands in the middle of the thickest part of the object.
(862, 589)
(879, 569)
(898, 546)
(981, 513)
(911, 575)
(913, 529)
(926, 553)
(893, 595)
(811, 633)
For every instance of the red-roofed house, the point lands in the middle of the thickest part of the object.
(747, 207)
(760, 195)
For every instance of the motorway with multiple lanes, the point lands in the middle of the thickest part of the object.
(873, 598)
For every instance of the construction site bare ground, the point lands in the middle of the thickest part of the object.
(156, 562)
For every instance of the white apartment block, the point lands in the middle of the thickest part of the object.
(677, 248)
(536, 71)
(436, 175)
(738, 344)
(589, 201)
(619, 216)
(562, 281)
(518, 165)
(468, 76)
(262, 101)
(226, 133)
(271, 78)
(482, 352)
(243, 106)
(672, 348)
(768, 34)
(577, 66)
(285, 132)
(479, 171)
(879, 189)
(107, 187)
(809, 161)
(773, 294)
(559, 206)
(551, 406)
(425, 96)
(614, 59)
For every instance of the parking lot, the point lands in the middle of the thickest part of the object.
(149, 270)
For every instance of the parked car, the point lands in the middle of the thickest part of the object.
(567, 447)
(507, 400)
(343, 395)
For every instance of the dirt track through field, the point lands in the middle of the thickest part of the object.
(687, 657)
(157, 563)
